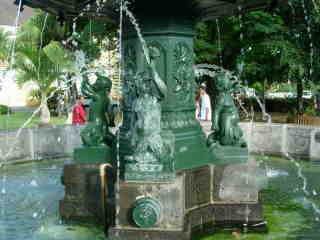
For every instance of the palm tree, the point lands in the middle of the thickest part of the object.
(40, 57)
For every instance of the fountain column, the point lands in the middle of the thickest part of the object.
(172, 38)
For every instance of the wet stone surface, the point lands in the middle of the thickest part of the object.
(29, 203)
(317, 137)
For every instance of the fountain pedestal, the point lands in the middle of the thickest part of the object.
(198, 199)
(92, 155)
(174, 184)
(171, 39)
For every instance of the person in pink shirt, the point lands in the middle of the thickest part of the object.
(78, 112)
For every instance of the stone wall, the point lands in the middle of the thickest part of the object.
(38, 143)
(286, 140)
(59, 141)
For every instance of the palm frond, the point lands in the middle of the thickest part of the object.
(59, 56)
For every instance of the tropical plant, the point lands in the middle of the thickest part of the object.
(40, 57)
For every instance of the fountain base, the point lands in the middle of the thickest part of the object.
(92, 155)
(133, 234)
(230, 154)
(200, 199)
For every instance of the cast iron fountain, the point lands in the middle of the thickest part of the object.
(164, 180)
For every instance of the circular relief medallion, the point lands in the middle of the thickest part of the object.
(146, 212)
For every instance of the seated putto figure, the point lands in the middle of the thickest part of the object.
(225, 117)
(97, 133)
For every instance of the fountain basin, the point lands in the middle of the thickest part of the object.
(30, 206)
(158, 76)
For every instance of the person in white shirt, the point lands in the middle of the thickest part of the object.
(205, 105)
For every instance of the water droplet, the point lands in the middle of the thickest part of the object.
(33, 183)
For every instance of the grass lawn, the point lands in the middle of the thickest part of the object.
(17, 119)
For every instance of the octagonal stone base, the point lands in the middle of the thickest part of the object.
(200, 199)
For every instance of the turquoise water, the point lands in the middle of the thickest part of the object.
(29, 201)
(29, 209)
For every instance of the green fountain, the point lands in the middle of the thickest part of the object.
(160, 178)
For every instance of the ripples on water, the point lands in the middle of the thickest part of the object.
(31, 205)
(33, 192)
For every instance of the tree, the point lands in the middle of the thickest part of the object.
(302, 18)
(265, 47)
(40, 57)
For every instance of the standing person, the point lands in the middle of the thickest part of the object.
(317, 102)
(78, 112)
(205, 105)
(198, 104)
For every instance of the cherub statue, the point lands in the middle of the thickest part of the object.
(225, 117)
(97, 133)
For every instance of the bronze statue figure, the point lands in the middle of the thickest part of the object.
(225, 117)
(151, 153)
(97, 132)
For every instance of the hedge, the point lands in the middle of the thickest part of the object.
(4, 109)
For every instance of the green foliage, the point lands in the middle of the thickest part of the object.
(283, 87)
(93, 36)
(39, 55)
(266, 48)
(4, 110)
(4, 45)
(310, 111)
(206, 49)
(278, 105)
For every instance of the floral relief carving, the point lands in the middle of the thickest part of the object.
(183, 75)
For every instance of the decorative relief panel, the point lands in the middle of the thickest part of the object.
(197, 187)
(299, 141)
(130, 66)
(261, 136)
(202, 216)
(183, 72)
(172, 120)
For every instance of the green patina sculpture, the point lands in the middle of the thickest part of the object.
(225, 117)
(152, 156)
(97, 133)
(146, 212)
